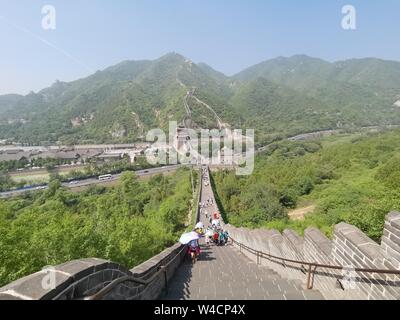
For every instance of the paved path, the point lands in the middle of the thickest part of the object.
(223, 273)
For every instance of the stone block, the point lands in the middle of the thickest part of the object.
(32, 287)
(394, 218)
(78, 269)
(319, 240)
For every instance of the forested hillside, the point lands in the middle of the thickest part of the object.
(353, 179)
(351, 93)
(278, 98)
(127, 224)
(278, 111)
(119, 104)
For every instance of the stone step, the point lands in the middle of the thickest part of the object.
(297, 295)
(294, 295)
(313, 295)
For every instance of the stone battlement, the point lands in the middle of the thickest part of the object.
(349, 248)
(80, 279)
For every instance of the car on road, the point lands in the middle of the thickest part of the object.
(73, 182)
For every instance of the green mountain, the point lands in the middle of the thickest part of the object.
(360, 92)
(119, 104)
(302, 72)
(9, 100)
(279, 97)
(273, 109)
(299, 72)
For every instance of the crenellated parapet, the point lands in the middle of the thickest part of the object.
(72, 280)
(391, 238)
(84, 278)
(338, 267)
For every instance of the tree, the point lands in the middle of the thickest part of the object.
(6, 182)
(54, 186)
(129, 183)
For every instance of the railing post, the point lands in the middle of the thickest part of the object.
(310, 277)
(165, 278)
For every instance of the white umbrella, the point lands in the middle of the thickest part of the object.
(215, 222)
(187, 237)
(200, 225)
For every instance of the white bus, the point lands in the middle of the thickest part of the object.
(105, 177)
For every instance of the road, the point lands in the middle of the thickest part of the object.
(94, 181)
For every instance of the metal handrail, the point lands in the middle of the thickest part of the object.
(312, 266)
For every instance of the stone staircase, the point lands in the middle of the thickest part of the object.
(223, 273)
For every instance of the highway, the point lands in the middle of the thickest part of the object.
(93, 181)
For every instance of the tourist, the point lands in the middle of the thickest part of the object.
(209, 235)
(194, 250)
(216, 237)
(221, 238)
(226, 237)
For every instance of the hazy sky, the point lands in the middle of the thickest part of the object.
(229, 35)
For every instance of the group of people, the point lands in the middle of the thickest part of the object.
(204, 211)
(208, 203)
(216, 235)
(212, 234)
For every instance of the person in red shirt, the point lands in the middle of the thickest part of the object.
(215, 237)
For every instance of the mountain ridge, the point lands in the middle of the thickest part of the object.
(121, 102)
(204, 65)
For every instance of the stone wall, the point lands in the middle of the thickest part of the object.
(391, 238)
(354, 249)
(349, 248)
(72, 280)
(80, 279)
